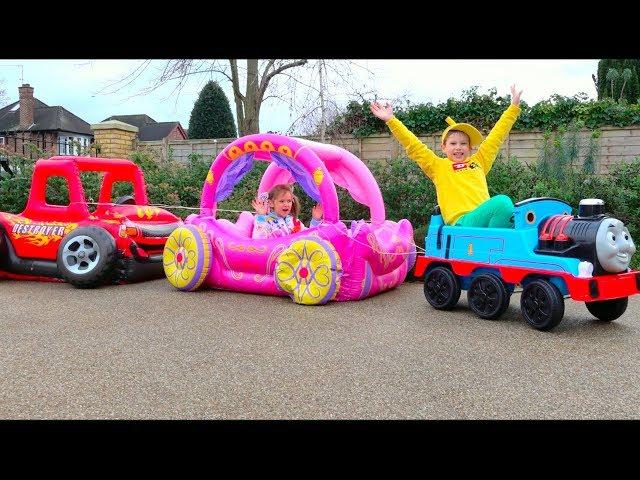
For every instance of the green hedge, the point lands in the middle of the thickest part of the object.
(484, 110)
(406, 191)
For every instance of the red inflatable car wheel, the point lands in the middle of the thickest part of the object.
(87, 257)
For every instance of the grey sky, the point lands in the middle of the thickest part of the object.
(78, 85)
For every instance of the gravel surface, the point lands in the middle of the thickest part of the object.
(148, 351)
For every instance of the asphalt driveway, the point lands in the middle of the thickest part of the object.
(148, 351)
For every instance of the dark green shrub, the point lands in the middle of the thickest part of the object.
(211, 116)
(483, 111)
(406, 191)
(631, 86)
(14, 190)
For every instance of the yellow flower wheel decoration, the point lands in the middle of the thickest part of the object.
(309, 271)
(187, 257)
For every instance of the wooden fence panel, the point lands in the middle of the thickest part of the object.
(615, 145)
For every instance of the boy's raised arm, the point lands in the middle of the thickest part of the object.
(416, 150)
(383, 112)
(488, 149)
(515, 96)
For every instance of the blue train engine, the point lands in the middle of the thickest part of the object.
(551, 253)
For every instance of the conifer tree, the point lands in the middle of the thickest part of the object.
(211, 116)
(631, 90)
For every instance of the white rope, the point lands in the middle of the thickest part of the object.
(343, 220)
(369, 245)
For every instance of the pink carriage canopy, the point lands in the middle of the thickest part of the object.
(311, 163)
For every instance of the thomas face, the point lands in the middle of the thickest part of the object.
(614, 246)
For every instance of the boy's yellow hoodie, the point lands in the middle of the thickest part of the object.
(460, 187)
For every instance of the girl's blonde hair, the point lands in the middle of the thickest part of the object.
(277, 190)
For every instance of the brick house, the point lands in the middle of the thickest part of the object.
(149, 129)
(54, 130)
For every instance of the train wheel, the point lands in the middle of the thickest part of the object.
(542, 304)
(441, 288)
(187, 257)
(309, 271)
(608, 310)
(488, 297)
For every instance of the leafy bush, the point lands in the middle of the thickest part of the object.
(484, 110)
(14, 190)
(631, 85)
(406, 191)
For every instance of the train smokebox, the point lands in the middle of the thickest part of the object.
(590, 207)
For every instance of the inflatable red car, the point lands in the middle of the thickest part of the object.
(120, 241)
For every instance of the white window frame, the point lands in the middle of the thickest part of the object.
(70, 145)
(66, 144)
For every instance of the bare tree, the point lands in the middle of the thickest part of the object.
(326, 82)
(308, 88)
(259, 76)
(3, 94)
(323, 110)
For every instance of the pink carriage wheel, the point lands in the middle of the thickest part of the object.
(187, 257)
(309, 271)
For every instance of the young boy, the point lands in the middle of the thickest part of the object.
(460, 179)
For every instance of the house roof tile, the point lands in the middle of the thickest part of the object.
(136, 120)
(45, 118)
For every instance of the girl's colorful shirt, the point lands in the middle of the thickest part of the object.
(272, 225)
(460, 187)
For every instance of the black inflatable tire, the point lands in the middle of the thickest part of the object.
(3, 249)
(604, 310)
(100, 269)
(125, 200)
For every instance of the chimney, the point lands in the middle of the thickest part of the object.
(26, 106)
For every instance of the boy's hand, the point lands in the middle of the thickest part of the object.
(515, 95)
(317, 212)
(383, 112)
(259, 206)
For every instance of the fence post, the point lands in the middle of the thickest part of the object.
(395, 147)
(165, 149)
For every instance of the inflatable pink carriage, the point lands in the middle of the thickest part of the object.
(328, 262)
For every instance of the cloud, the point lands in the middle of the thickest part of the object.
(75, 84)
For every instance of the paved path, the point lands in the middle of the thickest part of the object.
(147, 351)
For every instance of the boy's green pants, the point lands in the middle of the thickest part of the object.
(495, 212)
